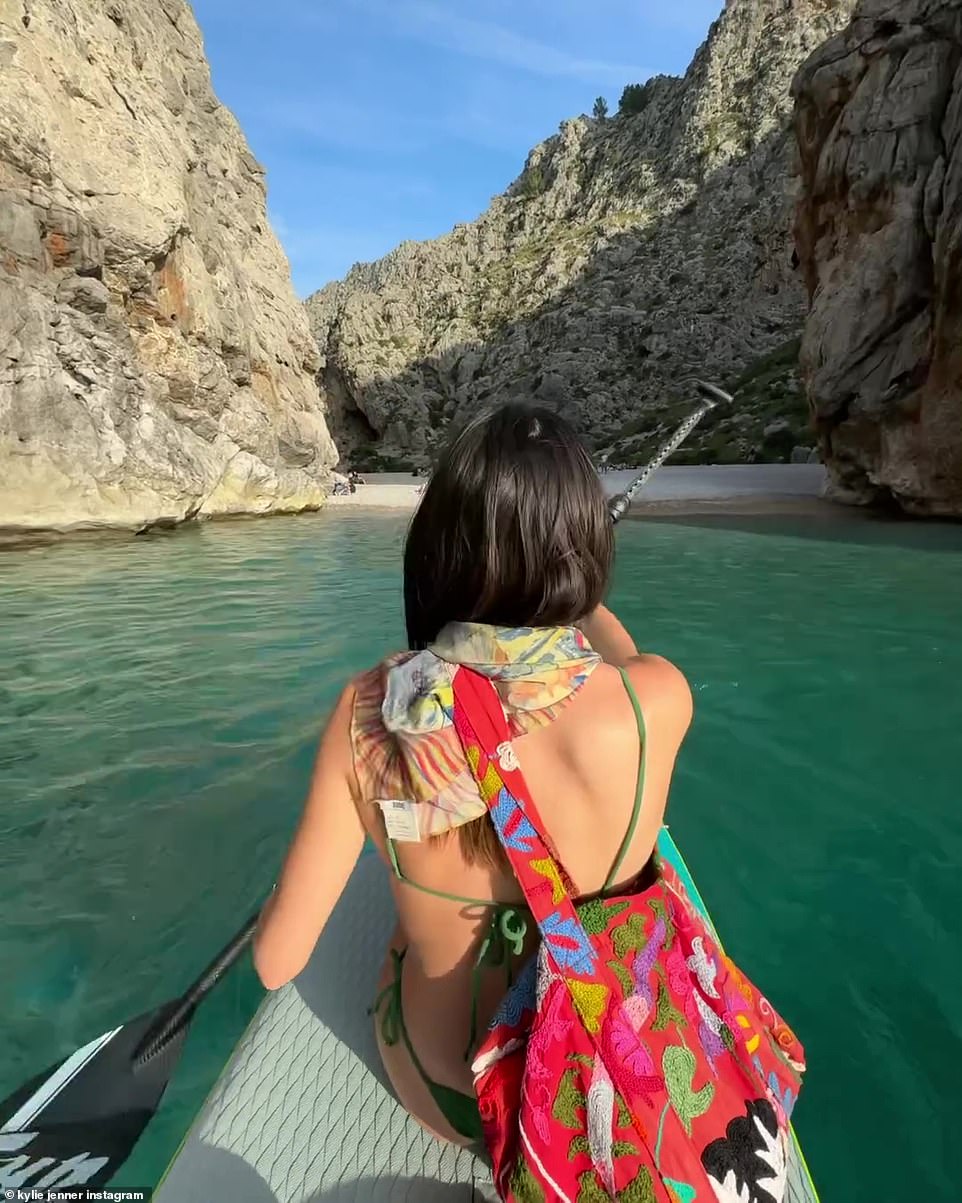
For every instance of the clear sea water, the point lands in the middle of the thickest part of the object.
(160, 698)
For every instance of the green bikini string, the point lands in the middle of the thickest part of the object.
(391, 1020)
(504, 940)
(460, 1110)
(639, 786)
(504, 937)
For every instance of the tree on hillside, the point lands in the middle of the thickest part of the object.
(634, 99)
(600, 111)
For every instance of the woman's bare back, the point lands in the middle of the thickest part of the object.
(582, 772)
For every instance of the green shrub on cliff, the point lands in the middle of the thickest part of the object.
(634, 99)
(533, 182)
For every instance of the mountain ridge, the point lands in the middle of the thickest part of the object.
(628, 253)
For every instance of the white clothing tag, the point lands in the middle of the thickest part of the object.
(400, 820)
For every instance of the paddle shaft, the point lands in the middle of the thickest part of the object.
(711, 395)
(171, 1023)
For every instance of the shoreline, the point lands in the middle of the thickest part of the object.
(703, 488)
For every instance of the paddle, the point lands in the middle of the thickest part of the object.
(76, 1123)
(711, 396)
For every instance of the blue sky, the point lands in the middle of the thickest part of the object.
(383, 120)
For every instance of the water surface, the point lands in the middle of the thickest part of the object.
(160, 699)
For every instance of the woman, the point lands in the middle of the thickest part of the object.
(506, 564)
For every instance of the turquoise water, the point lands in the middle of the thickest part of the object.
(159, 702)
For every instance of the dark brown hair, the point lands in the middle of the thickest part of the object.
(512, 530)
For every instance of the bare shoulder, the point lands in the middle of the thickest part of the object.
(661, 687)
(647, 667)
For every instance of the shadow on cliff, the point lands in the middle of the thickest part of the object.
(462, 377)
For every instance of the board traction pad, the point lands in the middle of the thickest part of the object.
(303, 1112)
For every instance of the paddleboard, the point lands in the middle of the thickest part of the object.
(303, 1111)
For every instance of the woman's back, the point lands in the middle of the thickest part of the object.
(583, 772)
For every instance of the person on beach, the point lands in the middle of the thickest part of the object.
(506, 566)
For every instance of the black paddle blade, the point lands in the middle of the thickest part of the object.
(77, 1123)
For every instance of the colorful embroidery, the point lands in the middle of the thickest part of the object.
(519, 999)
(630, 936)
(524, 1185)
(569, 1101)
(666, 1013)
(679, 1066)
(623, 976)
(632, 1044)
(590, 1000)
(680, 1192)
(506, 756)
(752, 1042)
(547, 868)
(702, 964)
(749, 1162)
(568, 942)
(600, 1114)
(514, 829)
(623, 1042)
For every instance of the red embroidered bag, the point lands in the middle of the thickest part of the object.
(631, 1060)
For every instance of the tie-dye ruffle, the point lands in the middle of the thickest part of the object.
(405, 744)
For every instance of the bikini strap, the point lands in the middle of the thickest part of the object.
(639, 786)
(409, 881)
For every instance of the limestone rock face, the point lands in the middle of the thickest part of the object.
(154, 361)
(630, 253)
(879, 227)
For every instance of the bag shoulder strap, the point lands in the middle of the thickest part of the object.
(483, 731)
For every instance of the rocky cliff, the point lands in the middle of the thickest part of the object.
(154, 361)
(629, 253)
(879, 126)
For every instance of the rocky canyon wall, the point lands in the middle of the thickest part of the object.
(879, 229)
(631, 252)
(155, 363)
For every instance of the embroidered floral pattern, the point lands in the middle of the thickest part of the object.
(635, 1063)
(506, 757)
(748, 1164)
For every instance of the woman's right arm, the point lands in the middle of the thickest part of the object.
(658, 682)
(608, 637)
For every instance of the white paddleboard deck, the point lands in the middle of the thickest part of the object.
(303, 1111)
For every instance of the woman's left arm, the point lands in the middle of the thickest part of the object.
(320, 860)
